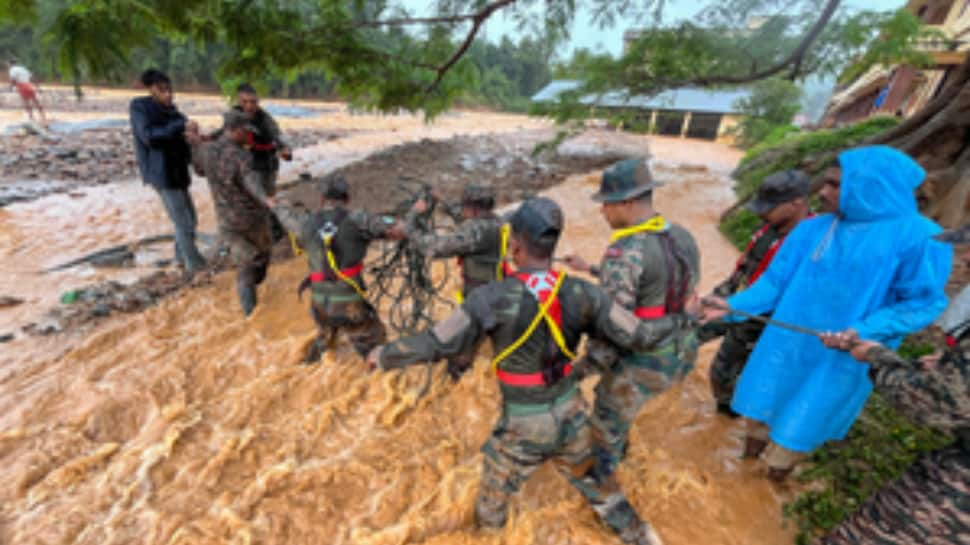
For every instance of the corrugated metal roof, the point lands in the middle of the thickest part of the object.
(684, 99)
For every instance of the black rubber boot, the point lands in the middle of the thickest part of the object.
(753, 447)
(320, 346)
(725, 409)
(247, 297)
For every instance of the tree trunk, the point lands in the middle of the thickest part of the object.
(937, 137)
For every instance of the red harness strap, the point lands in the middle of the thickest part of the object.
(349, 272)
(541, 286)
(251, 143)
(527, 380)
(650, 313)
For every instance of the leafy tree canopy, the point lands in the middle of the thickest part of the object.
(380, 55)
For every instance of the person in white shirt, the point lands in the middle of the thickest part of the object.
(20, 80)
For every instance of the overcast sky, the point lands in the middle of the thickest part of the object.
(610, 40)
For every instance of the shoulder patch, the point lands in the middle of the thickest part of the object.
(613, 252)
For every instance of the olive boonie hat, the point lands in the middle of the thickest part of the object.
(234, 119)
(335, 187)
(625, 180)
(959, 235)
(539, 219)
(478, 194)
(779, 188)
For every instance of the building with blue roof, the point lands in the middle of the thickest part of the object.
(686, 112)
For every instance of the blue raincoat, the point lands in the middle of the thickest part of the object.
(872, 268)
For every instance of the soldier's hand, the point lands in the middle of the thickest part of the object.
(714, 308)
(374, 358)
(286, 154)
(693, 305)
(860, 350)
(930, 361)
(271, 202)
(844, 340)
(420, 206)
(576, 263)
(397, 231)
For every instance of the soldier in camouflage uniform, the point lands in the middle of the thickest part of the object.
(535, 319)
(781, 203)
(477, 242)
(930, 503)
(650, 268)
(239, 198)
(335, 240)
(265, 143)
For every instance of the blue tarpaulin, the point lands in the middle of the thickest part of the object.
(873, 267)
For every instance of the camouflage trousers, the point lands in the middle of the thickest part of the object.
(525, 437)
(739, 341)
(267, 179)
(249, 251)
(928, 505)
(350, 314)
(624, 389)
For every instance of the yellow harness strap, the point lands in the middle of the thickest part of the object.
(499, 269)
(503, 249)
(333, 265)
(297, 251)
(540, 316)
(653, 225)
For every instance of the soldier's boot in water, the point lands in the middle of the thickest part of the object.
(324, 344)
(247, 297)
(779, 474)
(753, 447)
(641, 534)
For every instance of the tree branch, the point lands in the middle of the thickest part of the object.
(404, 21)
(795, 59)
(477, 20)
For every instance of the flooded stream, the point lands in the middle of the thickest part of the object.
(188, 424)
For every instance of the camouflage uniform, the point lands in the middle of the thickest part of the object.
(476, 242)
(335, 303)
(265, 140)
(739, 338)
(544, 420)
(649, 273)
(930, 503)
(241, 212)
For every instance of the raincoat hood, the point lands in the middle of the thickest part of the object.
(878, 183)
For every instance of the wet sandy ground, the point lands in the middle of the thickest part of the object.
(189, 424)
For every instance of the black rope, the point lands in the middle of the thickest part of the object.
(401, 276)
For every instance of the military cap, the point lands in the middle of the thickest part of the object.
(478, 194)
(539, 219)
(779, 188)
(335, 187)
(625, 180)
(959, 235)
(235, 119)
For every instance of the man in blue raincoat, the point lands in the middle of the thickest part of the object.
(869, 267)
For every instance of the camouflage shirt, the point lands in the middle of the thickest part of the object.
(750, 262)
(477, 241)
(356, 229)
(238, 196)
(938, 397)
(503, 311)
(268, 139)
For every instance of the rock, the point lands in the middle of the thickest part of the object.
(7, 301)
(101, 310)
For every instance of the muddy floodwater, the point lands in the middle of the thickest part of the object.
(188, 424)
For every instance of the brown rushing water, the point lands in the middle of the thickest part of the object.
(188, 424)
